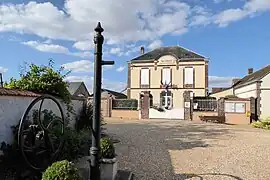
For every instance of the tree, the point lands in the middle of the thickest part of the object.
(43, 80)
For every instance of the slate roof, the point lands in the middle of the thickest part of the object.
(178, 51)
(73, 87)
(118, 95)
(254, 77)
(16, 92)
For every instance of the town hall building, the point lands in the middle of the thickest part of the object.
(166, 73)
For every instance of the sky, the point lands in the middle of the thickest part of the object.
(233, 34)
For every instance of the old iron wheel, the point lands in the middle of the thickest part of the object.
(49, 146)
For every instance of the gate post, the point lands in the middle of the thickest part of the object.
(145, 105)
(221, 108)
(187, 106)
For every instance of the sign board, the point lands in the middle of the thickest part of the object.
(187, 104)
(240, 107)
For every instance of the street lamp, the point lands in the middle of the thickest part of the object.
(95, 148)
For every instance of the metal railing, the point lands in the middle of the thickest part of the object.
(125, 104)
(205, 105)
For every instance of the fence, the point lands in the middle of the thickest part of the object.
(125, 104)
(205, 104)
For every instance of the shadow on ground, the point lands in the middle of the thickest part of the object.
(209, 175)
(144, 147)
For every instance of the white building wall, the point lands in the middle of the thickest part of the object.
(265, 97)
(13, 107)
(246, 91)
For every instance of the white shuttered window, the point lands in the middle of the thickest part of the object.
(145, 77)
(188, 75)
(166, 75)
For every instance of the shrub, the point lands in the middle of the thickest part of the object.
(263, 124)
(77, 144)
(61, 170)
(231, 96)
(85, 119)
(107, 148)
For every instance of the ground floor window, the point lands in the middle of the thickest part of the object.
(166, 99)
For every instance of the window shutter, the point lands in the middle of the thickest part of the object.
(166, 75)
(144, 76)
(188, 75)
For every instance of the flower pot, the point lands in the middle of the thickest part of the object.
(108, 168)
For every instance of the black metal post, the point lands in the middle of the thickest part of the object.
(1, 81)
(95, 148)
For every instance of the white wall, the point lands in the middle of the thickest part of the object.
(246, 91)
(265, 97)
(12, 108)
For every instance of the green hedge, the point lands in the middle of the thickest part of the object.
(128, 104)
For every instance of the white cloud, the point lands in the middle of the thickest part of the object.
(217, 81)
(83, 45)
(125, 22)
(88, 80)
(83, 66)
(3, 70)
(122, 22)
(45, 47)
(120, 69)
(80, 66)
(115, 51)
(155, 44)
(249, 9)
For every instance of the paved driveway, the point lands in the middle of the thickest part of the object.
(160, 150)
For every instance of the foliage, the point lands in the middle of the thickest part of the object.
(85, 119)
(61, 170)
(42, 79)
(263, 124)
(107, 148)
(231, 96)
(131, 104)
(76, 144)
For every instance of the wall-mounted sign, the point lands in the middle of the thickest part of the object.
(187, 104)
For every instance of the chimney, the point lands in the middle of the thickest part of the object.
(250, 70)
(1, 81)
(142, 50)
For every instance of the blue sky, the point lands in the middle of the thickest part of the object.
(235, 35)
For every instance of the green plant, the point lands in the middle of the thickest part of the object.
(263, 123)
(44, 80)
(231, 96)
(77, 144)
(107, 148)
(61, 170)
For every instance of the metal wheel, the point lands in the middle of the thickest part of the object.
(41, 141)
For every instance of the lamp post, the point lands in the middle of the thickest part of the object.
(95, 148)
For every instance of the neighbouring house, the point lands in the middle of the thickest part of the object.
(222, 92)
(105, 93)
(177, 68)
(255, 84)
(78, 89)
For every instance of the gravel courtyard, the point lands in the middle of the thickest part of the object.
(161, 150)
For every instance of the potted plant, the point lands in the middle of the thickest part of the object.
(108, 165)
